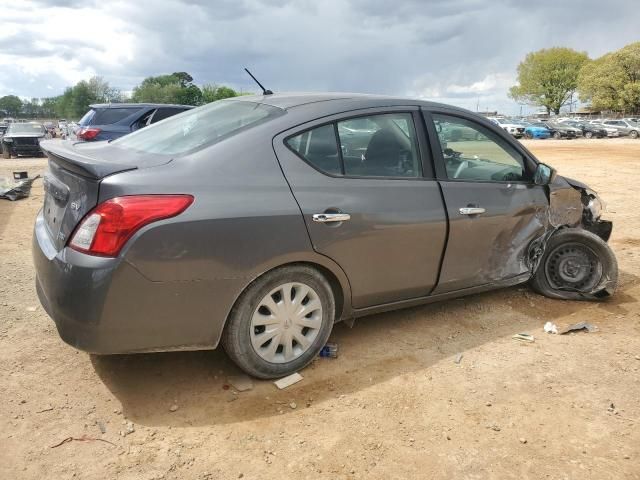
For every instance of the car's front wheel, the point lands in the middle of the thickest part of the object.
(557, 135)
(633, 134)
(588, 134)
(576, 265)
(280, 322)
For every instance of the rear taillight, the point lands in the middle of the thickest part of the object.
(88, 133)
(106, 229)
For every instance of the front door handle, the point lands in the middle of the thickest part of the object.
(472, 211)
(331, 217)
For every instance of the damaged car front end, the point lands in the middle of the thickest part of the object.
(572, 260)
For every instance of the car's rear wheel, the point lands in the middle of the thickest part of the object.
(588, 134)
(576, 265)
(6, 153)
(557, 135)
(280, 322)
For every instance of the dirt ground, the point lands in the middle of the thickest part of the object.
(395, 404)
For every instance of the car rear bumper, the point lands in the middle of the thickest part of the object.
(105, 305)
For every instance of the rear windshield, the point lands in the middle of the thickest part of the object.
(108, 116)
(25, 128)
(198, 128)
(86, 120)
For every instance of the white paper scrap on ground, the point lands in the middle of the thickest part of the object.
(288, 381)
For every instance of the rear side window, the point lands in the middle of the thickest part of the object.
(319, 148)
(199, 127)
(108, 116)
(374, 146)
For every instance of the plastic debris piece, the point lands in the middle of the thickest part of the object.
(524, 337)
(458, 358)
(579, 326)
(550, 328)
(330, 350)
(15, 189)
(241, 383)
(288, 381)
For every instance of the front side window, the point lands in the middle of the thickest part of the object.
(374, 146)
(472, 152)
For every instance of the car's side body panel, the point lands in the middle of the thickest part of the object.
(392, 246)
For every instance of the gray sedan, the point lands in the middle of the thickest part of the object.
(259, 222)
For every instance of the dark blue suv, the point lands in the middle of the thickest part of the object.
(107, 121)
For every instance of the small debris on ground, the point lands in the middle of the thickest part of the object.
(550, 328)
(173, 408)
(288, 381)
(330, 350)
(293, 405)
(241, 383)
(579, 326)
(83, 438)
(524, 337)
(458, 358)
(129, 428)
(523, 440)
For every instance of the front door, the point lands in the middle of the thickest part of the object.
(366, 204)
(495, 210)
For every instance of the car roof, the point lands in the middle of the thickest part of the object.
(288, 100)
(138, 105)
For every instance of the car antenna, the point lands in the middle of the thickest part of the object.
(264, 90)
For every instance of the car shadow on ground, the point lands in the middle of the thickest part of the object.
(378, 349)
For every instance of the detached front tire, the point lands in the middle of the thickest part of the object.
(576, 265)
(280, 322)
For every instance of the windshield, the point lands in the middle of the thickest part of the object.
(197, 128)
(26, 128)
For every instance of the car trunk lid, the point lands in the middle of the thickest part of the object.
(72, 181)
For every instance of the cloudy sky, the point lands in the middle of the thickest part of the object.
(462, 52)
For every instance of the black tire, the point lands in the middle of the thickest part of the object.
(557, 135)
(633, 134)
(570, 244)
(236, 338)
(6, 153)
(588, 134)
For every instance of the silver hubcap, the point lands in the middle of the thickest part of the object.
(286, 322)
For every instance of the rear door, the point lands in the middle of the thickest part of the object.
(495, 210)
(368, 200)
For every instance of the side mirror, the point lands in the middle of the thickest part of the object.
(544, 174)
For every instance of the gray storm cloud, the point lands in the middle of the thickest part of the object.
(456, 51)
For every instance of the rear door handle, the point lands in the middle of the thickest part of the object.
(331, 217)
(472, 211)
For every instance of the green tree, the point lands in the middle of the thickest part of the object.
(11, 105)
(174, 88)
(548, 77)
(612, 82)
(211, 93)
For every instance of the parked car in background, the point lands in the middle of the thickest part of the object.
(588, 130)
(557, 130)
(510, 126)
(23, 139)
(62, 122)
(3, 129)
(244, 222)
(624, 127)
(7, 120)
(113, 120)
(611, 131)
(535, 131)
